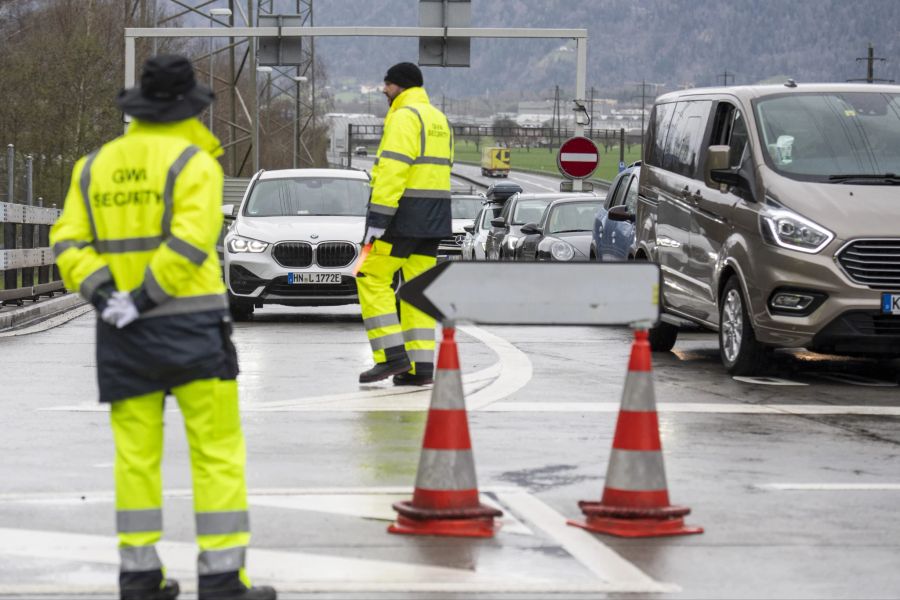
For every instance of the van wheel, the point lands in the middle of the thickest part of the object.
(741, 353)
(662, 337)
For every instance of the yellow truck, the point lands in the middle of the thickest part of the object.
(495, 162)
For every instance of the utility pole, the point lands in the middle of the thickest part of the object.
(642, 94)
(724, 76)
(556, 116)
(592, 110)
(870, 59)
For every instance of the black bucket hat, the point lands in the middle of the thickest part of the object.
(168, 91)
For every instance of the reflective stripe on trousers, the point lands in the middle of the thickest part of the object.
(379, 305)
(218, 457)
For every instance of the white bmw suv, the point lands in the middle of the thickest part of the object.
(295, 238)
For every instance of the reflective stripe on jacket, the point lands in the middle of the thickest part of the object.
(144, 210)
(411, 176)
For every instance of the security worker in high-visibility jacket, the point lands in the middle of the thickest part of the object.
(137, 239)
(408, 214)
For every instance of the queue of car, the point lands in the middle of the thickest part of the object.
(771, 211)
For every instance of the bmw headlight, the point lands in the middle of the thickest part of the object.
(781, 227)
(238, 245)
(562, 251)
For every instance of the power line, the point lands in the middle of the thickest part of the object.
(724, 76)
(870, 59)
(642, 87)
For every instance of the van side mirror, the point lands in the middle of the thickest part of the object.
(620, 213)
(499, 222)
(531, 229)
(716, 160)
(228, 210)
(469, 228)
(720, 174)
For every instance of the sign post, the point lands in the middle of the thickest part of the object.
(577, 160)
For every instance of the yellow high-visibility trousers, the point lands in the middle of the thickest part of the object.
(390, 335)
(218, 459)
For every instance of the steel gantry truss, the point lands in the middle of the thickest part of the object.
(579, 35)
(235, 117)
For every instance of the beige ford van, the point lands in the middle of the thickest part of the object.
(774, 214)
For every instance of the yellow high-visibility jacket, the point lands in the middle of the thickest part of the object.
(411, 176)
(143, 215)
(144, 212)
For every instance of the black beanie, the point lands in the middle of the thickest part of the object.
(404, 74)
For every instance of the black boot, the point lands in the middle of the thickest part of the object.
(228, 586)
(147, 585)
(424, 375)
(385, 370)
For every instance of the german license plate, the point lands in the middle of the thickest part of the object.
(326, 278)
(890, 304)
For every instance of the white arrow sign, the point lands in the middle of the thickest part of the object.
(503, 293)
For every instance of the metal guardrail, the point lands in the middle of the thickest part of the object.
(26, 242)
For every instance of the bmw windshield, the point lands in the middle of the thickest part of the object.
(835, 137)
(308, 196)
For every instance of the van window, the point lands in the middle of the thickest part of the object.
(730, 129)
(685, 138)
(657, 131)
(815, 136)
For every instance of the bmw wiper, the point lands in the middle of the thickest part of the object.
(890, 178)
(571, 230)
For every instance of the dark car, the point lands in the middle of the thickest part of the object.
(563, 233)
(518, 210)
(613, 232)
(501, 192)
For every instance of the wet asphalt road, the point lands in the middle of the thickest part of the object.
(796, 484)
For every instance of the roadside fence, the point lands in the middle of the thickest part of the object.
(27, 262)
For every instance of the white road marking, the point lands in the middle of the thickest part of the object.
(307, 572)
(852, 379)
(510, 373)
(367, 506)
(515, 369)
(767, 381)
(599, 558)
(582, 407)
(532, 181)
(830, 487)
(699, 407)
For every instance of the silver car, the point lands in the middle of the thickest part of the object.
(473, 246)
(464, 208)
(295, 238)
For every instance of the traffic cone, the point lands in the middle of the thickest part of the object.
(445, 501)
(635, 499)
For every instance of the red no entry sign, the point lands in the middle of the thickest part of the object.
(578, 157)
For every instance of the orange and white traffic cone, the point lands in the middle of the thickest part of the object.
(635, 500)
(445, 501)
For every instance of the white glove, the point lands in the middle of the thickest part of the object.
(120, 310)
(372, 234)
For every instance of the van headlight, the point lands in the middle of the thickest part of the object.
(781, 227)
(238, 245)
(562, 251)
